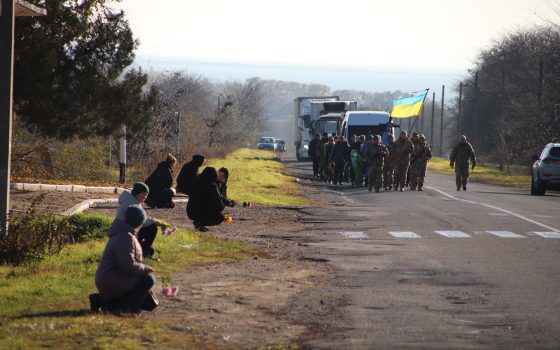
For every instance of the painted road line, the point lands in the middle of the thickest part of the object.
(498, 214)
(543, 216)
(453, 234)
(495, 208)
(505, 234)
(548, 234)
(353, 234)
(404, 234)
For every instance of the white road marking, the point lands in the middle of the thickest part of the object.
(453, 234)
(344, 197)
(498, 214)
(496, 208)
(505, 234)
(548, 234)
(404, 234)
(543, 216)
(352, 234)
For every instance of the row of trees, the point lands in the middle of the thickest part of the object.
(510, 103)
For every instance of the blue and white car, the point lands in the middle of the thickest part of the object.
(545, 174)
(267, 143)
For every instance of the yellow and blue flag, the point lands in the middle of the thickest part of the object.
(406, 107)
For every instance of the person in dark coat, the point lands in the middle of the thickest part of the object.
(160, 182)
(187, 176)
(223, 176)
(205, 204)
(340, 155)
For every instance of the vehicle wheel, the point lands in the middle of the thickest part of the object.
(533, 186)
(540, 187)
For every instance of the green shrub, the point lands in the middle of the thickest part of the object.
(32, 236)
(88, 226)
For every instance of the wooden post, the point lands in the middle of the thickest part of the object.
(441, 121)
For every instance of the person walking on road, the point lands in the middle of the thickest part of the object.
(460, 156)
(313, 152)
(403, 149)
(375, 155)
(389, 166)
(421, 157)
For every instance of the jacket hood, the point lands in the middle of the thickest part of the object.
(209, 174)
(198, 159)
(127, 198)
(119, 227)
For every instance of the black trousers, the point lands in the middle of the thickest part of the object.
(146, 237)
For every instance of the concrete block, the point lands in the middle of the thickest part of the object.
(48, 187)
(64, 188)
(31, 187)
(78, 188)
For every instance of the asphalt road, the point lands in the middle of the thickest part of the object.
(438, 269)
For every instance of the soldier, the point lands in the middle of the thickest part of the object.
(375, 154)
(389, 167)
(403, 149)
(419, 164)
(314, 154)
(460, 156)
(414, 140)
(328, 166)
(321, 154)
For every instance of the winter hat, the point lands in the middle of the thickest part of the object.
(139, 187)
(135, 215)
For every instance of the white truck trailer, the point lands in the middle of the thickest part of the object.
(307, 111)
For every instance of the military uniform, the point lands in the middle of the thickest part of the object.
(389, 167)
(375, 154)
(460, 156)
(419, 164)
(403, 150)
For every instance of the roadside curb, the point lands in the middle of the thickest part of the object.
(65, 188)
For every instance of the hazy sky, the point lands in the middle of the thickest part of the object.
(444, 34)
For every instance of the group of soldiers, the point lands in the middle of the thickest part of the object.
(397, 165)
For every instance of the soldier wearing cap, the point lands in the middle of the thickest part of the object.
(420, 158)
(375, 154)
(403, 149)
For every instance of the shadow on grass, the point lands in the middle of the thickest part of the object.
(61, 314)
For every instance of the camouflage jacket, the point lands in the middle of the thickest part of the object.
(403, 150)
(422, 154)
(375, 154)
(461, 154)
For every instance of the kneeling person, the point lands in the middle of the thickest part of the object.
(122, 280)
(205, 204)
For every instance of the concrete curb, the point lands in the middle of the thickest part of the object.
(65, 188)
(87, 204)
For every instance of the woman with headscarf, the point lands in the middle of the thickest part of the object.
(160, 182)
(205, 204)
(187, 176)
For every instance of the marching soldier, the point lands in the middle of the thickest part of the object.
(419, 164)
(375, 154)
(403, 149)
(460, 156)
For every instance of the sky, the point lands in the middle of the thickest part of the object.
(403, 36)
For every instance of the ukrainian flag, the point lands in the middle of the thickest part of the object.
(406, 107)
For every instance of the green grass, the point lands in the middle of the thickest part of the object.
(483, 174)
(259, 177)
(45, 303)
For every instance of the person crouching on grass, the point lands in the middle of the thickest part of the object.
(205, 206)
(123, 281)
(147, 234)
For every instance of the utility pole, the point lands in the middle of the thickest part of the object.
(122, 156)
(6, 107)
(475, 114)
(441, 122)
(459, 114)
(178, 132)
(433, 117)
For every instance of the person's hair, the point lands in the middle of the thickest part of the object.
(209, 173)
(331, 138)
(225, 171)
(170, 160)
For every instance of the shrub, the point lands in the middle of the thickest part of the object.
(31, 236)
(88, 226)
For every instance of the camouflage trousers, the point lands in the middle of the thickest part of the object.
(461, 174)
(388, 173)
(418, 174)
(375, 174)
(400, 173)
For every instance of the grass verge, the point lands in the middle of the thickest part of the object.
(483, 174)
(259, 177)
(44, 303)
